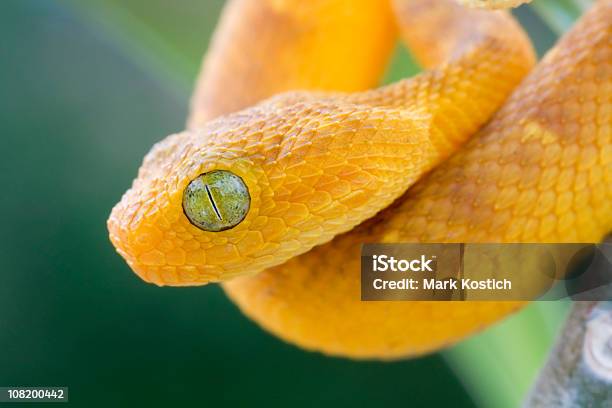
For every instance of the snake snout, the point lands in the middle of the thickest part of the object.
(151, 232)
(139, 229)
(193, 214)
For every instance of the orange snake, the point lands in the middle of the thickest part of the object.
(303, 169)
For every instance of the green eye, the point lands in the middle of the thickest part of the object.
(216, 201)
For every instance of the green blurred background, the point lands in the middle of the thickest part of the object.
(86, 88)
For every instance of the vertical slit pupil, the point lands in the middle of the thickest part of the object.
(216, 201)
(212, 201)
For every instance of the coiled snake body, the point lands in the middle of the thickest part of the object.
(248, 195)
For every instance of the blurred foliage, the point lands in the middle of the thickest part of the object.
(165, 39)
(560, 14)
(88, 87)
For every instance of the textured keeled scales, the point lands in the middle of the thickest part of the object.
(312, 300)
(541, 171)
(264, 47)
(305, 186)
(318, 164)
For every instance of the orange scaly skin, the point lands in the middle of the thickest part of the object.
(540, 171)
(264, 47)
(318, 164)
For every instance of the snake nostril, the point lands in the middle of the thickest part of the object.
(216, 201)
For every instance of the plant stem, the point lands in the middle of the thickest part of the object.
(579, 369)
(528, 334)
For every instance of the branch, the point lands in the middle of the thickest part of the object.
(579, 370)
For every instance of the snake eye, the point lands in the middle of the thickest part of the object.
(216, 201)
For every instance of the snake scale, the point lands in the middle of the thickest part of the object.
(275, 200)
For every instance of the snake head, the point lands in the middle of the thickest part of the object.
(187, 216)
(250, 190)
